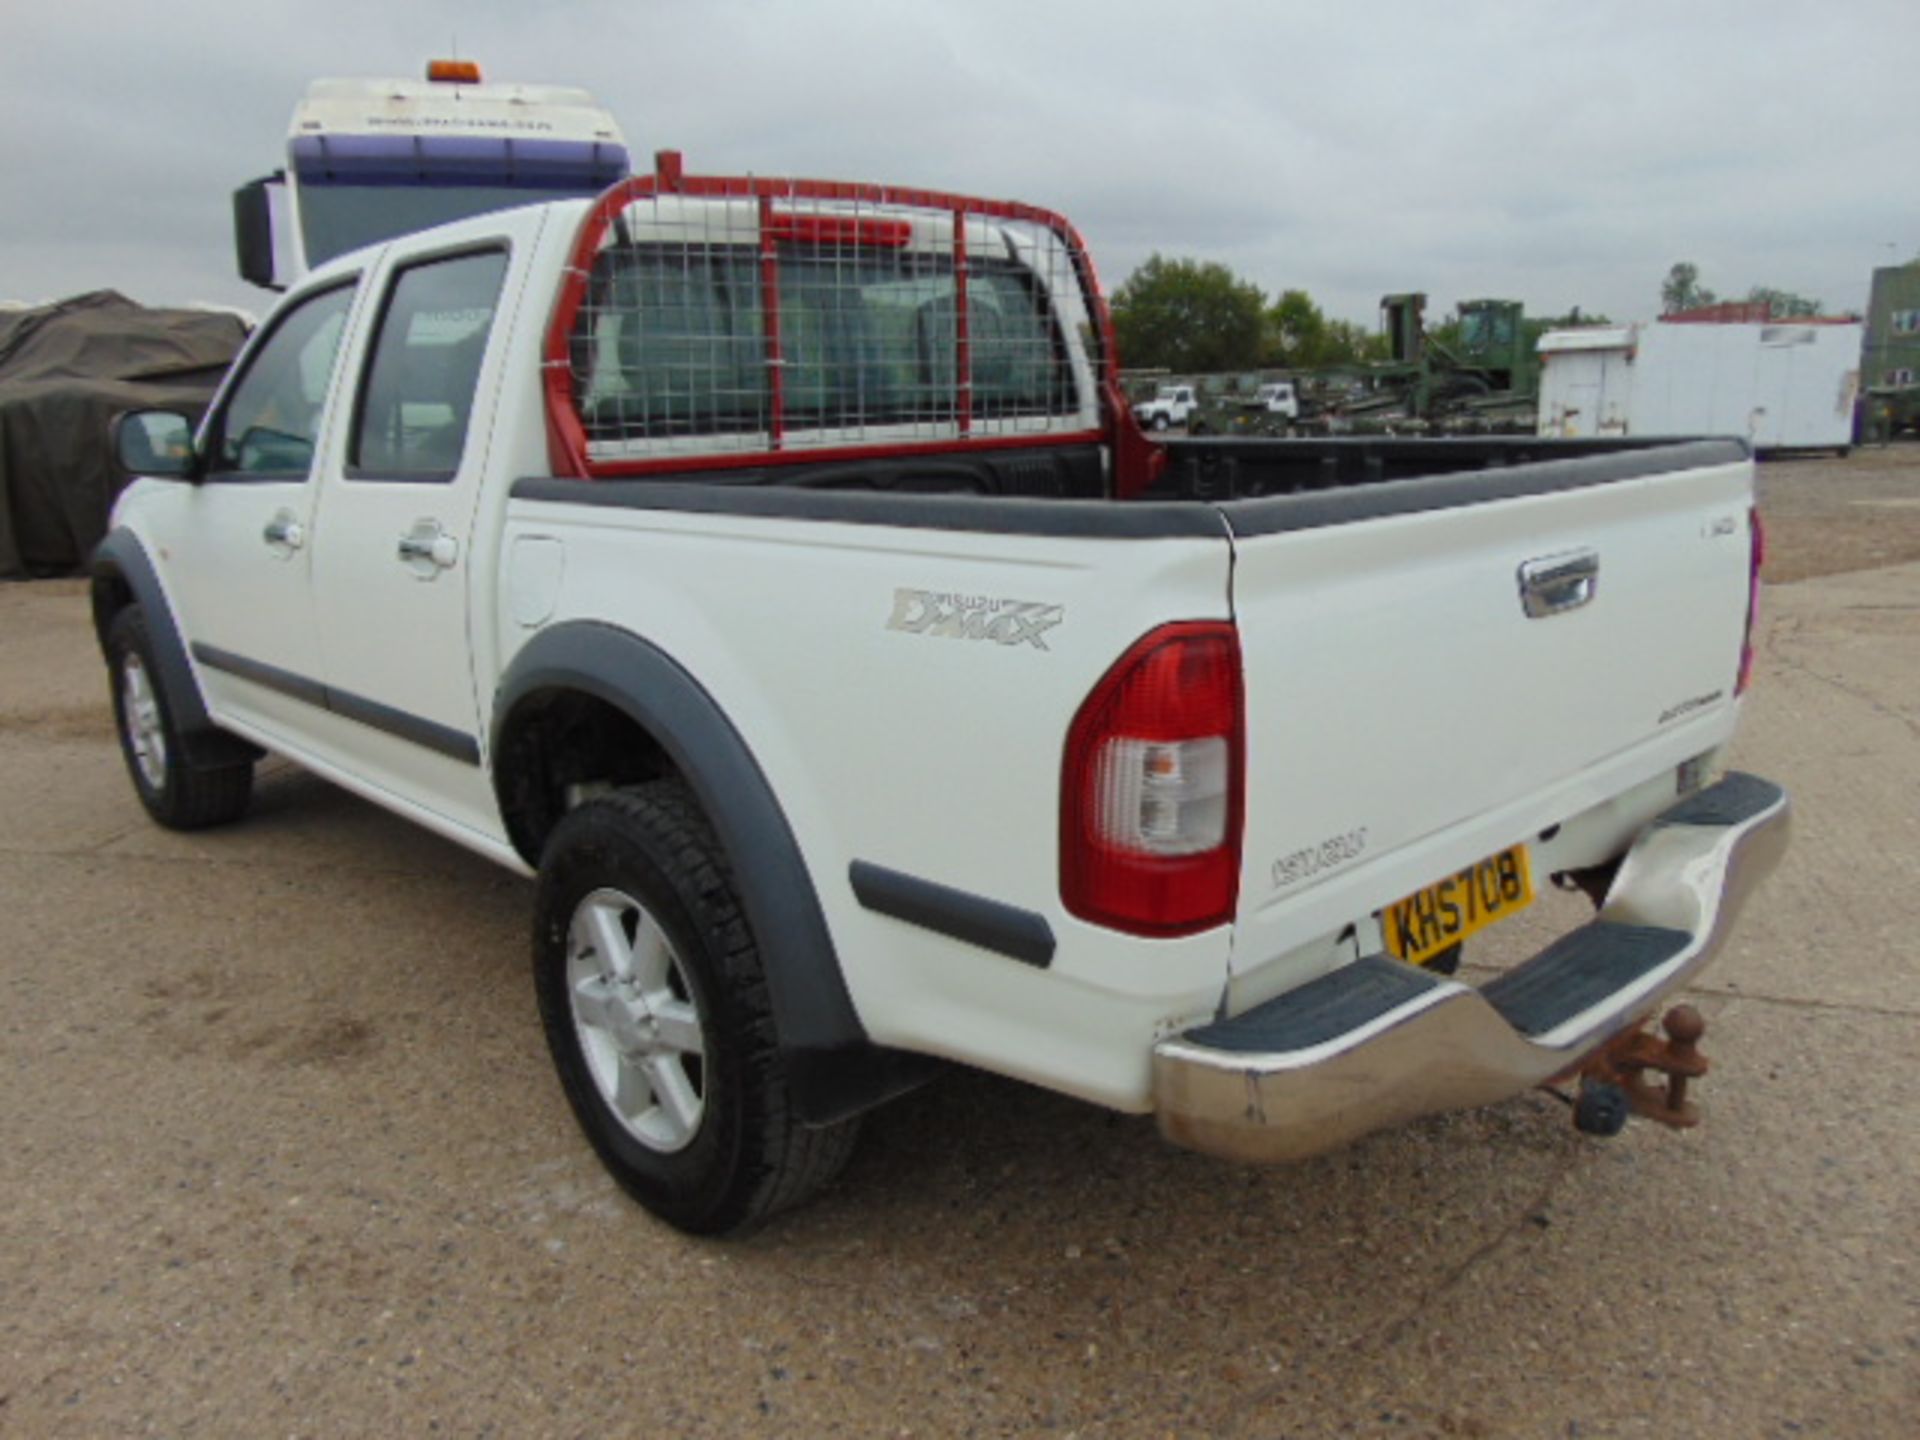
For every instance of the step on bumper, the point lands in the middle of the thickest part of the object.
(1378, 1042)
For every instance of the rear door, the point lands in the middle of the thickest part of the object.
(1579, 416)
(1411, 711)
(1612, 400)
(394, 576)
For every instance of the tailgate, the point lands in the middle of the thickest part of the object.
(1406, 715)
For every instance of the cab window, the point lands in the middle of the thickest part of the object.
(272, 420)
(417, 398)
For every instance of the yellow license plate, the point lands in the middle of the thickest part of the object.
(1447, 912)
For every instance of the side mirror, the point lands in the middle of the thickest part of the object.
(255, 231)
(156, 442)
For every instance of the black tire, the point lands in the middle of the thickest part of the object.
(747, 1157)
(179, 795)
(1160, 422)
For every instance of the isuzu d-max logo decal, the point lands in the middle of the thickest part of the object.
(974, 617)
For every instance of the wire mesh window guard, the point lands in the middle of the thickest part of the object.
(728, 324)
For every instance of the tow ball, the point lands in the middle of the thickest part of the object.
(1615, 1081)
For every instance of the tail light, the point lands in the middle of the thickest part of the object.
(1757, 556)
(1150, 805)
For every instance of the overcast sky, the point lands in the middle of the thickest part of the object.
(1558, 153)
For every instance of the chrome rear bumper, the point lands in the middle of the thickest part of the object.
(1378, 1042)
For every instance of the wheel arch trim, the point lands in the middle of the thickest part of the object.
(120, 557)
(834, 1069)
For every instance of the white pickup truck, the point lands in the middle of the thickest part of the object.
(775, 571)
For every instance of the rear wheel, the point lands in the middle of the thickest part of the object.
(655, 1006)
(178, 794)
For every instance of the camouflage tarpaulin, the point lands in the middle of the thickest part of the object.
(65, 371)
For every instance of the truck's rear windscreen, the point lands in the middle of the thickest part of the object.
(672, 340)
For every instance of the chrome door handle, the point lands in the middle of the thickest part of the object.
(428, 549)
(1555, 584)
(285, 529)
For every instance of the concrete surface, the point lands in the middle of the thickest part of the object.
(284, 1157)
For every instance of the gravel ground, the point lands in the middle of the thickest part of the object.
(285, 1156)
(1826, 517)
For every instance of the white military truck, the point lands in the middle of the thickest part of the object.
(1171, 405)
(1278, 398)
(367, 160)
(775, 571)
(1270, 410)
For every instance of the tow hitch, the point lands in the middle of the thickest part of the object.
(1615, 1081)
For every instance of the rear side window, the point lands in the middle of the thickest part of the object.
(672, 340)
(417, 399)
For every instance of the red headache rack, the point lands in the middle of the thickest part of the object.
(712, 322)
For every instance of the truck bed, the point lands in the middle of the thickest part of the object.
(1209, 487)
(1405, 714)
(1211, 468)
(1216, 469)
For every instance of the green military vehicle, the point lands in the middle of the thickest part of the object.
(1486, 381)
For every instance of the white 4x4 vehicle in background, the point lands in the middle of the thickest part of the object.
(1278, 398)
(775, 570)
(1171, 405)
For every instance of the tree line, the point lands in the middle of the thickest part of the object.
(1198, 317)
(1682, 290)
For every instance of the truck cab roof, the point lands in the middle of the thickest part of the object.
(359, 107)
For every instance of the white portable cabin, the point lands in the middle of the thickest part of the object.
(1783, 385)
(1586, 380)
